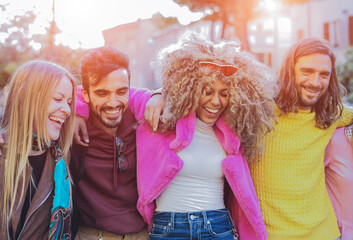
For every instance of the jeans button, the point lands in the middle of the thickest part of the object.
(192, 217)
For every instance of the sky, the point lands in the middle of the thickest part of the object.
(82, 21)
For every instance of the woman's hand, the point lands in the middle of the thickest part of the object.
(154, 110)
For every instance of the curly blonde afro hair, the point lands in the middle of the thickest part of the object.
(250, 111)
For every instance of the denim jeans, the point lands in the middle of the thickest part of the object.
(215, 224)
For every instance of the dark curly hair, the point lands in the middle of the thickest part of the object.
(99, 62)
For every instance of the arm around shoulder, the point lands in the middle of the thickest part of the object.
(82, 108)
(138, 100)
(347, 116)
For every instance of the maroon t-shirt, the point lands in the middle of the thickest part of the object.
(106, 195)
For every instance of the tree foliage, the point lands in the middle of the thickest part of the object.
(234, 13)
(162, 22)
(292, 2)
(345, 73)
(19, 45)
(16, 47)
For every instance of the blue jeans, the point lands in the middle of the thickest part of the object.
(216, 224)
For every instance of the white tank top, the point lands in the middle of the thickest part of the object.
(200, 183)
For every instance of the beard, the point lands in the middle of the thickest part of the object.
(306, 100)
(107, 121)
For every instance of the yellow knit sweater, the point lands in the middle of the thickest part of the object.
(289, 179)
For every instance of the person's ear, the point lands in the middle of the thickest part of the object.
(85, 95)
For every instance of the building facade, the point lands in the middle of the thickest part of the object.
(273, 33)
(142, 40)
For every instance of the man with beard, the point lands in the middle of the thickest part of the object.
(289, 177)
(104, 172)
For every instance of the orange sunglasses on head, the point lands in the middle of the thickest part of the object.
(227, 70)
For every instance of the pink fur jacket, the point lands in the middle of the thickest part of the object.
(158, 164)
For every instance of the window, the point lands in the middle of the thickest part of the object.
(350, 30)
(260, 57)
(269, 63)
(265, 58)
(336, 32)
(300, 34)
(327, 31)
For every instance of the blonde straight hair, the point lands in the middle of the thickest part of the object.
(31, 89)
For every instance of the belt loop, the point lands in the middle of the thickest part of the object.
(236, 235)
(230, 218)
(172, 219)
(205, 219)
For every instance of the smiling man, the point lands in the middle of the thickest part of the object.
(290, 178)
(104, 172)
(312, 78)
(109, 99)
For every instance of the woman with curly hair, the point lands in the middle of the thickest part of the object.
(35, 190)
(193, 176)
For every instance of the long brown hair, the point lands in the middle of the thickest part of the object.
(99, 62)
(329, 107)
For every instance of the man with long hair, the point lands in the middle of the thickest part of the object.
(289, 177)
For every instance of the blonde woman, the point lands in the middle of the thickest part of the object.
(35, 191)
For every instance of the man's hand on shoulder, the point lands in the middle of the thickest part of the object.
(80, 132)
(2, 142)
(154, 110)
